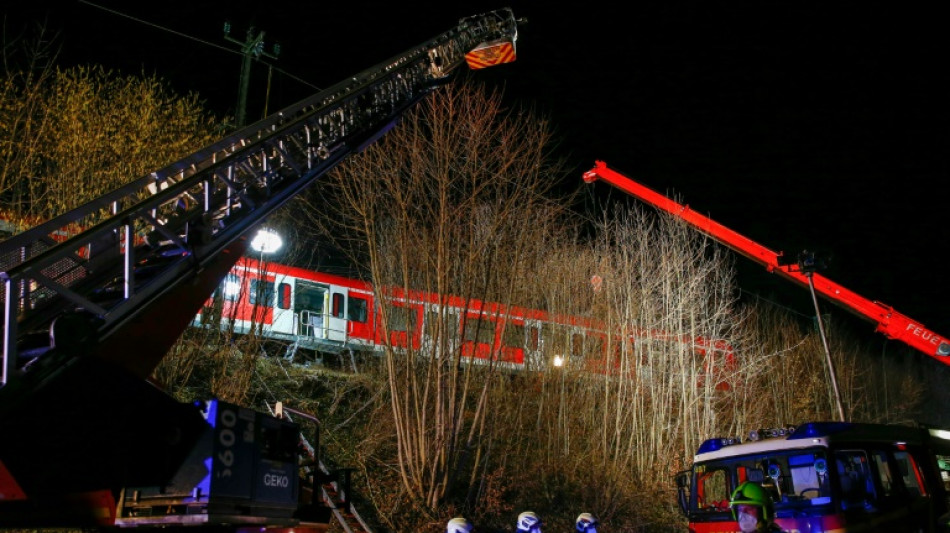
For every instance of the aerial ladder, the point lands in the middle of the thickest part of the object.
(94, 298)
(891, 323)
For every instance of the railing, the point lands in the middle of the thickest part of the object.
(335, 487)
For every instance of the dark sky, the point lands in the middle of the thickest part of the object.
(802, 125)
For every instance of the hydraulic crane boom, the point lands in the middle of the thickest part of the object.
(892, 324)
(93, 299)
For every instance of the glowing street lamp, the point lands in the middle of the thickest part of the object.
(266, 242)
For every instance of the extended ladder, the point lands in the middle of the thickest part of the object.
(121, 253)
(93, 299)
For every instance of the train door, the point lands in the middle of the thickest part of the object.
(441, 331)
(359, 327)
(453, 330)
(534, 344)
(336, 314)
(310, 303)
(283, 321)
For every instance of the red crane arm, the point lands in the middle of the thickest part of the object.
(892, 324)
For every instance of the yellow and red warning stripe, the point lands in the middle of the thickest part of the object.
(491, 54)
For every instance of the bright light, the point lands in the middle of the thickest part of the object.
(558, 361)
(266, 242)
(940, 433)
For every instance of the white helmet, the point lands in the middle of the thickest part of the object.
(528, 521)
(586, 523)
(458, 525)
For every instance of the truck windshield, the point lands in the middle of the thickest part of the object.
(794, 478)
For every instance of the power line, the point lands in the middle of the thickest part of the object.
(202, 41)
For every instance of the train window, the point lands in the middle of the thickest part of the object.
(336, 306)
(356, 309)
(449, 325)
(514, 336)
(231, 288)
(262, 292)
(534, 337)
(479, 330)
(401, 319)
(283, 296)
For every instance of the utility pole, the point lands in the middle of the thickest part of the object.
(252, 48)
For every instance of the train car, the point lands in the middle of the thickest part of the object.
(315, 311)
(330, 314)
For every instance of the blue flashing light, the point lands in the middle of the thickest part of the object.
(712, 445)
(813, 430)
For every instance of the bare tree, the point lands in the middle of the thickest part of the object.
(455, 201)
(649, 380)
(788, 383)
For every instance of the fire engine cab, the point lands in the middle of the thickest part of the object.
(825, 476)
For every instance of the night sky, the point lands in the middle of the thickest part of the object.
(802, 125)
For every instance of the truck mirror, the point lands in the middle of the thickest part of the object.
(682, 490)
(682, 479)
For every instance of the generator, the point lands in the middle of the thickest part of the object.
(243, 470)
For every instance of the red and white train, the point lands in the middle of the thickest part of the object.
(331, 314)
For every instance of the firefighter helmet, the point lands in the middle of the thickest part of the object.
(528, 521)
(458, 525)
(586, 522)
(749, 493)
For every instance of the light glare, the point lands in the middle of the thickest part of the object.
(266, 242)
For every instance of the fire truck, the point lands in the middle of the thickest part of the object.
(94, 298)
(825, 476)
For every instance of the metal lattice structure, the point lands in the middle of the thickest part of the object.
(112, 257)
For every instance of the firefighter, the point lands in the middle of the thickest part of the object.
(528, 522)
(586, 523)
(752, 509)
(459, 525)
